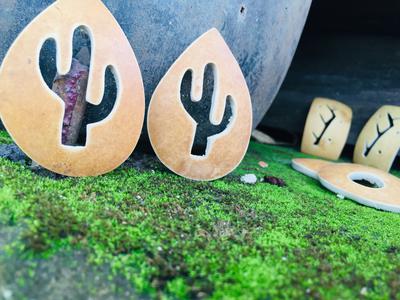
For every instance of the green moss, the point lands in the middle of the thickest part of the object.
(173, 238)
(5, 138)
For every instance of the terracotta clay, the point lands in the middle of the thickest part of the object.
(309, 166)
(327, 128)
(383, 194)
(33, 114)
(339, 178)
(379, 141)
(172, 129)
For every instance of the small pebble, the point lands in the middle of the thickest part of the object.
(275, 181)
(364, 291)
(263, 164)
(249, 179)
(7, 294)
(13, 153)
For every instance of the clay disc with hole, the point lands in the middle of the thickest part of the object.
(33, 114)
(172, 129)
(379, 141)
(338, 178)
(309, 166)
(327, 127)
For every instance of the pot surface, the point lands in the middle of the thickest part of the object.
(262, 34)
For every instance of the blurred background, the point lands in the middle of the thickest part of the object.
(350, 51)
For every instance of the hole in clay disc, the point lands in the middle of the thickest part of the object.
(367, 180)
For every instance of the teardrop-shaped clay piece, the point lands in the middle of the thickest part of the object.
(33, 114)
(172, 129)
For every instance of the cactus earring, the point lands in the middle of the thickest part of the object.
(38, 119)
(174, 123)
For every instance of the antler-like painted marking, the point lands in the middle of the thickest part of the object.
(380, 134)
(326, 125)
(197, 111)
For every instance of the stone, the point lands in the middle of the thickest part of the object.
(13, 153)
(33, 114)
(72, 90)
(249, 179)
(263, 164)
(274, 181)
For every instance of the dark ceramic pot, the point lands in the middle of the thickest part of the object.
(263, 36)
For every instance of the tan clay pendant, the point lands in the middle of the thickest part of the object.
(327, 128)
(171, 128)
(309, 166)
(33, 114)
(345, 179)
(340, 179)
(379, 141)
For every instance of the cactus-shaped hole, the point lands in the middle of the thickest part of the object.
(72, 88)
(201, 111)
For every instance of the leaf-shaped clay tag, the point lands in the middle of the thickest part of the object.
(327, 128)
(379, 141)
(33, 114)
(172, 129)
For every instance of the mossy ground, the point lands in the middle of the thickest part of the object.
(171, 238)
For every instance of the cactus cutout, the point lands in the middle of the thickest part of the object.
(200, 110)
(71, 88)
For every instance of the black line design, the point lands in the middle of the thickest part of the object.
(380, 134)
(326, 125)
(200, 111)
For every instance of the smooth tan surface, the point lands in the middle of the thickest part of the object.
(337, 178)
(309, 166)
(33, 114)
(172, 130)
(333, 135)
(384, 146)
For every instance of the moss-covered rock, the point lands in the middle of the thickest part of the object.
(168, 237)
